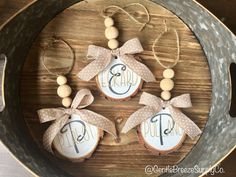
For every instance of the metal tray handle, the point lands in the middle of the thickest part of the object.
(3, 62)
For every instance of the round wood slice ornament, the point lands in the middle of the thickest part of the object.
(77, 139)
(118, 81)
(75, 131)
(161, 134)
(162, 126)
(119, 75)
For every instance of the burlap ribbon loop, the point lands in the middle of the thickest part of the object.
(83, 99)
(102, 58)
(153, 105)
(60, 116)
(152, 101)
(182, 101)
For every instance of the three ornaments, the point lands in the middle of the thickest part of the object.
(119, 74)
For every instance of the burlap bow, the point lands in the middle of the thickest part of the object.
(153, 105)
(102, 57)
(60, 117)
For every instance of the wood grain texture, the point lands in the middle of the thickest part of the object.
(81, 26)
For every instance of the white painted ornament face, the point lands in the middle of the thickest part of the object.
(161, 132)
(76, 139)
(118, 81)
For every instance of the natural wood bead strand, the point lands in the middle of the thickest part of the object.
(111, 33)
(61, 80)
(167, 84)
(168, 73)
(113, 44)
(165, 95)
(64, 91)
(108, 22)
(66, 102)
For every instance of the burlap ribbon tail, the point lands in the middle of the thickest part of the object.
(153, 105)
(60, 116)
(102, 57)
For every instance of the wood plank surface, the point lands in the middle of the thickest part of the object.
(81, 26)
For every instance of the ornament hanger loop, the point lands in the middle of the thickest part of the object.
(144, 24)
(166, 30)
(56, 39)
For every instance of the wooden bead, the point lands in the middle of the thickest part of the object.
(66, 102)
(167, 84)
(64, 91)
(113, 44)
(168, 73)
(108, 22)
(61, 80)
(165, 95)
(111, 32)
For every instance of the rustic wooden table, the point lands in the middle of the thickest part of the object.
(9, 167)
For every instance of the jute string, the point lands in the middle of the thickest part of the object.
(143, 24)
(56, 39)
(177, 43)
